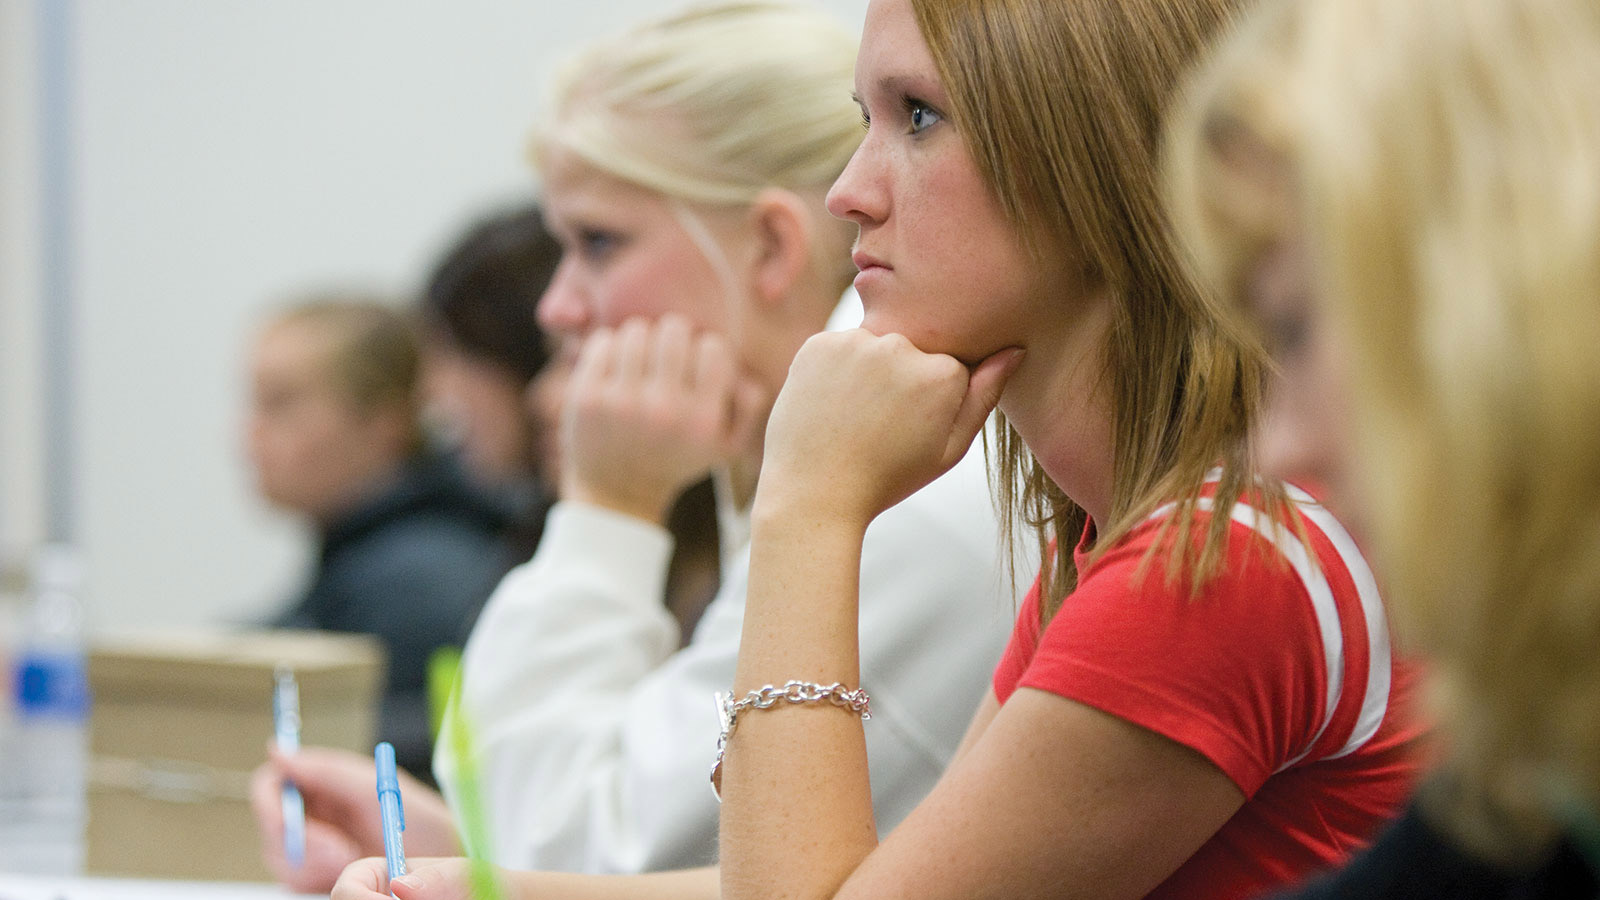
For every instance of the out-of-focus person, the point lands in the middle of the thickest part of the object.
(407, 547)
(482, 347)
(495, 381)
(495, 385)
(1404, 198)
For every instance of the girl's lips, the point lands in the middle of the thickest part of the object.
(870, 276)
(865, 261)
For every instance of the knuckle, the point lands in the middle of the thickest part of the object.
(822, 343)
(658, 418)
(711, 341)
(949, 368)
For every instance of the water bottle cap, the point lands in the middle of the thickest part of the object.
(58, 567)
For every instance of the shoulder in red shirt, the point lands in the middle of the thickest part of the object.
(1278, 670)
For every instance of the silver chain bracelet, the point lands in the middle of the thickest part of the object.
(766, 697)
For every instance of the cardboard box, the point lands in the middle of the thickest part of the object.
(180, 719)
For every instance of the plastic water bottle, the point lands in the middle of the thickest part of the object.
(43, 806)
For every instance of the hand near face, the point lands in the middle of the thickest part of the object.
(865, 421)
(651, 409)
(342, 819)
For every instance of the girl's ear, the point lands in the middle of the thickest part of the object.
(782, 227)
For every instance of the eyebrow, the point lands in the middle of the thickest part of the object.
(908, 84)
(903, 85)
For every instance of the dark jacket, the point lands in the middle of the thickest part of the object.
(1412, 860)
(413, 566)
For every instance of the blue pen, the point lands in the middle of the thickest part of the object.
(286, 722)
(394, 815)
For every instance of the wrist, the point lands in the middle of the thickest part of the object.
(646, 508)
(780, 506)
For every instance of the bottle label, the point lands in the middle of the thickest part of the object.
(52, 684)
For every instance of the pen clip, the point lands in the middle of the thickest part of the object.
(286, 709)
(389, 780)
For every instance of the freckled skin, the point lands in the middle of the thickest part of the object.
(649, 267)
(959, 280)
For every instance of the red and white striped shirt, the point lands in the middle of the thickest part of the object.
(1279, 671)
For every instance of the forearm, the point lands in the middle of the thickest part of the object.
(795, 776)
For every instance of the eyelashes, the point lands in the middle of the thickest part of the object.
(590, 243)
(597, 243)
(919, 114)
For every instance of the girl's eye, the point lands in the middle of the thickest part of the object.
(1287, 335)
(921, 115)
(596, 244)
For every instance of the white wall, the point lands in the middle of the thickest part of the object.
(227, 154)
(21, 366)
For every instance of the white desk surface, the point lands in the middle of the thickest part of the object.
(33, 887)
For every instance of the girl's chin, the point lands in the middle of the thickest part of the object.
(916, 333)
(880, 323)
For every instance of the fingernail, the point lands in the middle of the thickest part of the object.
(408, 881)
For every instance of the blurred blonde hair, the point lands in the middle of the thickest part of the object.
(373, 349)
(1443, 160)
(1060, 105)
(715, 104)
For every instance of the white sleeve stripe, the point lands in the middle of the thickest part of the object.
(1322, 603)
(1375, 702)
(1375, 705)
